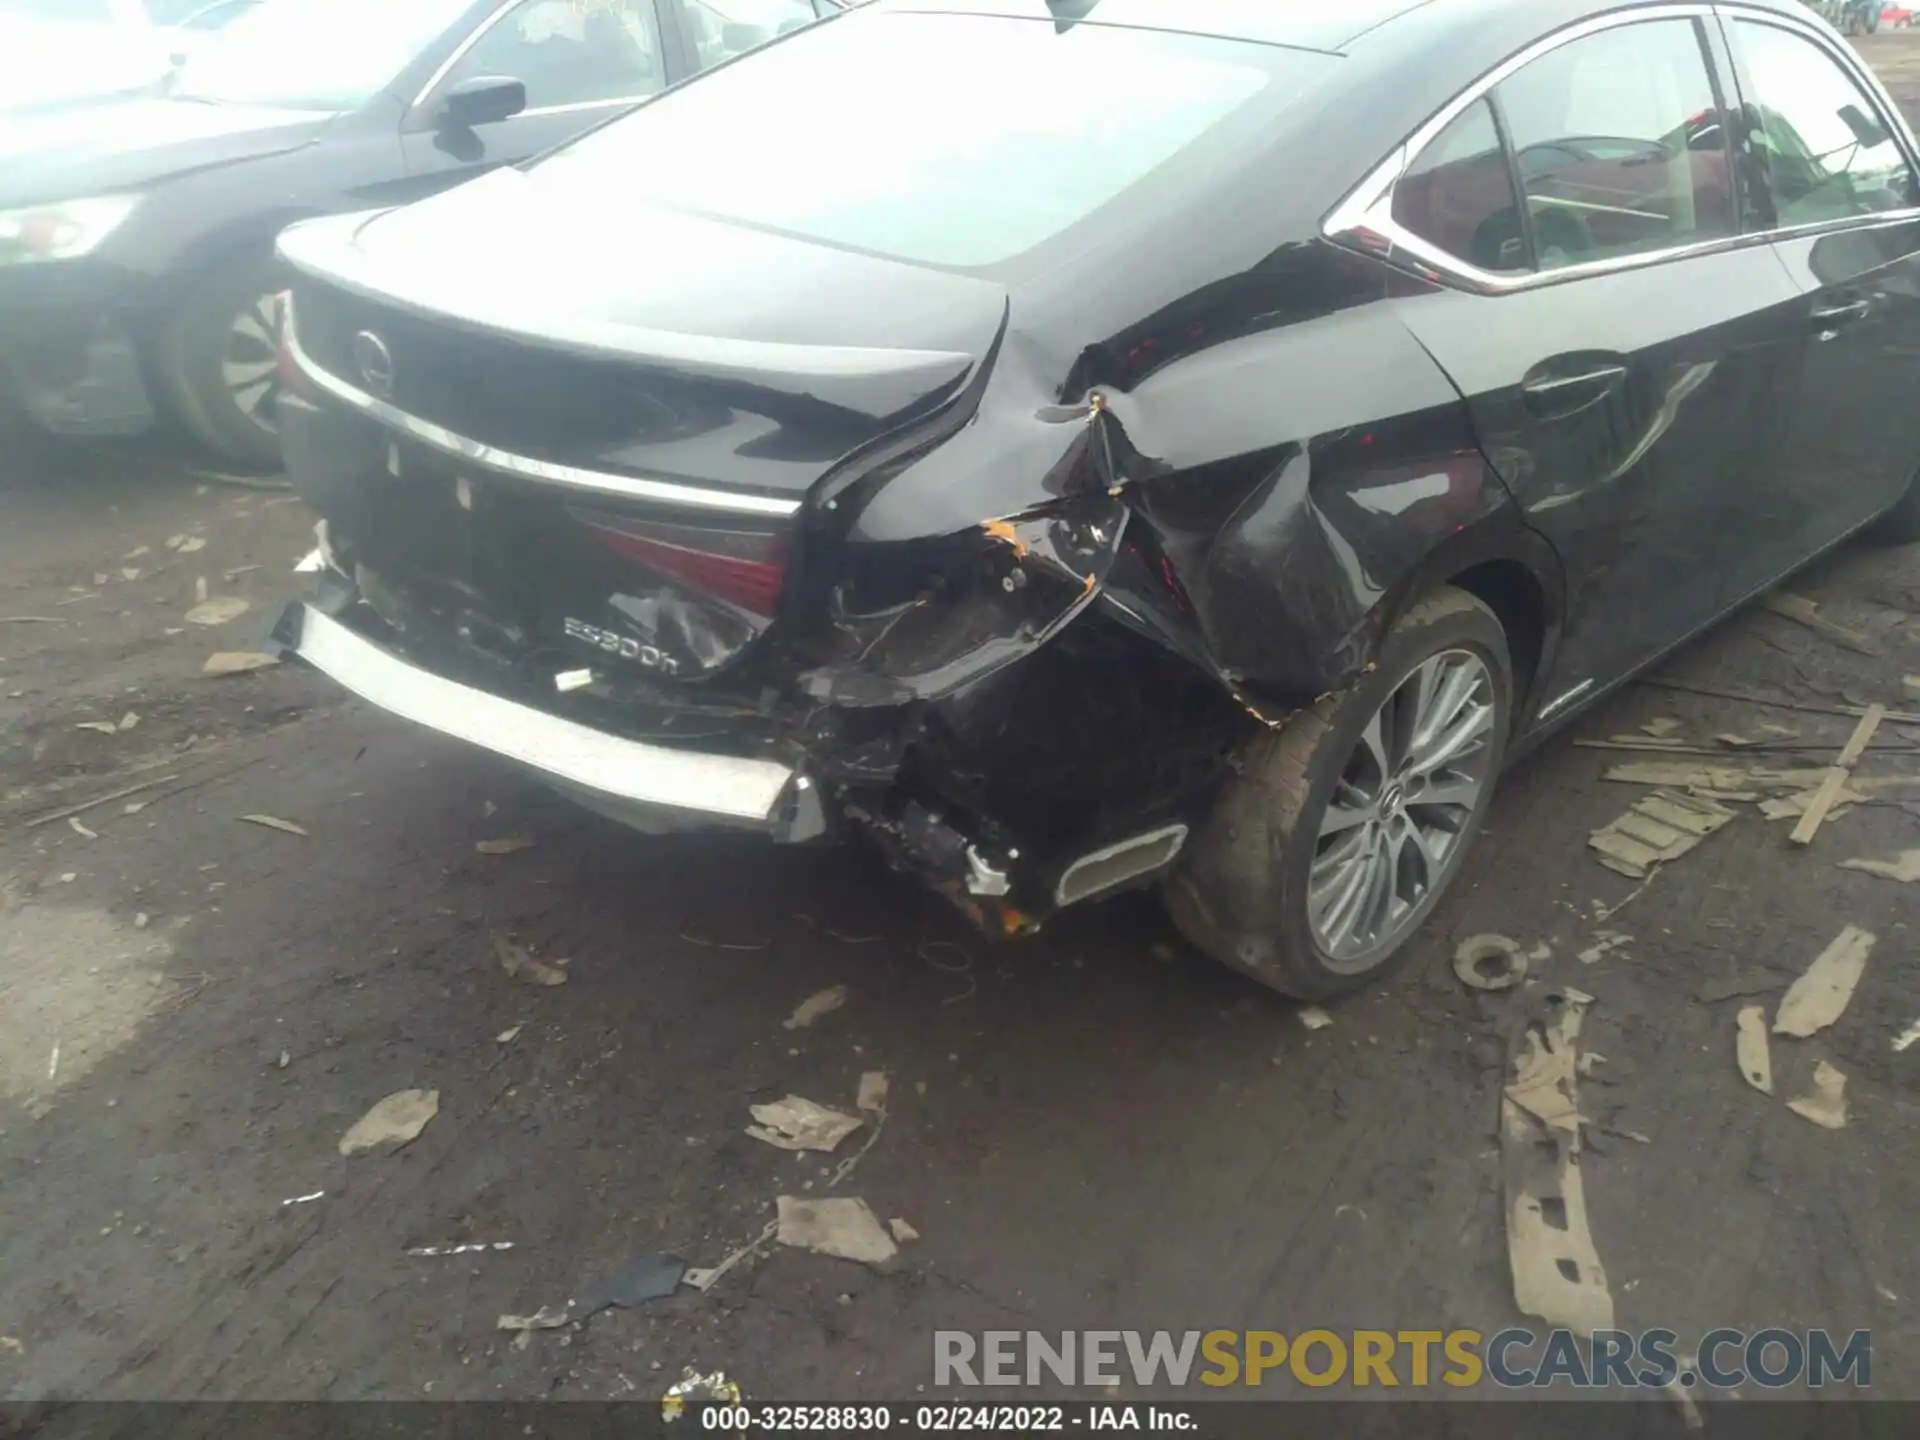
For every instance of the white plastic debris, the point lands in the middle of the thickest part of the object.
(1750, 1048)
(1904, 867)
(393, 1122)
(510, 845)
(274, 822)
(237, 662)
(825, 1002)
(1490, 962)
(844, 1228)
(219, 611)
(1826, 1104)
(1314, 1018)
(1817, 998)
(796, 1123)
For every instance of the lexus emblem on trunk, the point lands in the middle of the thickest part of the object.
(375, 362)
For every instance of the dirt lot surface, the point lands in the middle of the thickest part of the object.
(1093, 1129)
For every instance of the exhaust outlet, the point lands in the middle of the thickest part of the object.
(1106, 870)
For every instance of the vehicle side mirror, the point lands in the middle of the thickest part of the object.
(482, 100)
(1868, 131)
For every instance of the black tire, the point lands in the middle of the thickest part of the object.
(1901, 524)
(213, 327)
(1240, 893)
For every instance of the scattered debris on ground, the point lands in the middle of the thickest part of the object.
(873, 1092)
(1557, 1274)
(1664, 726)
(303, 1199)
(1490, 962)
(1904, 867)
(1604, 942)
(1750, 1048)
(237, 662)
(1907, 1038)
(1807, 612)
(1314, 1018)
(1817, 998)
(218, 612)
(796, 1123)
(644, 1278)
(1826, 1104)
(508, 845)
(274, 822)
(902, 1231)
(392, 1123)
(1836, 777)
(704, 1280)
(844, 1228)
(547, 1317)
(1662, 827)
(714, 1389)
(1715, 781)
(825, 1002)
(520, 964)
(479, 1247)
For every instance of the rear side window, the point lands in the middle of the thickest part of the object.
(1458, 194)
(1825, 151)
(1618, 143)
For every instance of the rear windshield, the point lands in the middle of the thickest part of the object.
(956, 141)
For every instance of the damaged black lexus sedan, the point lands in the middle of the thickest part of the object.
(1191, 442)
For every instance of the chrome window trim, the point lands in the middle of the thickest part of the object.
(624, 101)
(524, 467)
(1367, 208)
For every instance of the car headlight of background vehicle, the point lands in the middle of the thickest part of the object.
(63, 230)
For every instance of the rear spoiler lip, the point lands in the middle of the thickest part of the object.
(317, 249)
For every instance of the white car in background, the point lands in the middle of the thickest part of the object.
(57, 53)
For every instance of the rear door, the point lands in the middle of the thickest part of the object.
(1836, 187)
(581, 64)
(1625, 351)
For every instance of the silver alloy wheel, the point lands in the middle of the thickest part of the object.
(249, 364)
(1403, 803)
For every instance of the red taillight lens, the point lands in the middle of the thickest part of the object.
(743, 567)
(291, 378)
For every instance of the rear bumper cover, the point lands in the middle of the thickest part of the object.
(690, 787)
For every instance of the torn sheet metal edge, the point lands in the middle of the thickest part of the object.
(723, 786)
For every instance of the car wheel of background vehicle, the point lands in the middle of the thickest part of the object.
(1901, 524)
(1342, 829)
(217, 365)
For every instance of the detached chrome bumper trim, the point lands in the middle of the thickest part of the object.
(723, 787)
(524, 467)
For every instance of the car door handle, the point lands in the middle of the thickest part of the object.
(1561, 394)
(1826, 317)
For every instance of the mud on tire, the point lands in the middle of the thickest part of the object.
(1240, 894)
